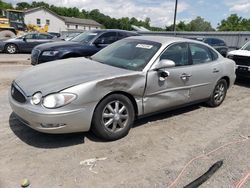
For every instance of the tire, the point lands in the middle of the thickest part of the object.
(11, 48)
(113, 117)
(218, 94)
(7, 34)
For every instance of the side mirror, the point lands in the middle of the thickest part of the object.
(164, 63)
(24, 39)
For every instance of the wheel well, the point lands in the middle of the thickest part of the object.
(131, 98)
(70, 55)
(9, 44)
(227, 80)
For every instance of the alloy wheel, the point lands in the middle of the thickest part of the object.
(115, 116)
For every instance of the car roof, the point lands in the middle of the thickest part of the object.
(115, 30)
(164, 39)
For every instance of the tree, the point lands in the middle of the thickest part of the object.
(199, 24)
(234, 23)
(4, 5)
(23, 5)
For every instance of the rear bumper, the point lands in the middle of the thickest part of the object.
(54, 122)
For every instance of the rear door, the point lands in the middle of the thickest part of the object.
(43, 38)
(206, 70)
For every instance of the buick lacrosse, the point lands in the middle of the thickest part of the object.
(132, 77)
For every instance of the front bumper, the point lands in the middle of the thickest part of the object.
(243, 71)
(38, 58)
(53, 121)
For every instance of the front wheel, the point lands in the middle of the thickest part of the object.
(218, 94)
(113, 117)
(11, 48)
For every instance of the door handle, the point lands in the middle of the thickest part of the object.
(215, 70)
(185, 76)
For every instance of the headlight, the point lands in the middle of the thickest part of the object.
(36, 98)
(50, 53)
(57, 100)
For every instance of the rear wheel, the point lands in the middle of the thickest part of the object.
(219, 94)
(11, 48)
(113, 117)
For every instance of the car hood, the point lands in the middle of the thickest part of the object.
(59, 75)
(240, 53)
(56, 45)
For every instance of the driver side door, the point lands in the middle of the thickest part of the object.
(173, 90)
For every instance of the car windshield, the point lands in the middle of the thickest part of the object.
(246, 46)
(85, 37)
(129, 54)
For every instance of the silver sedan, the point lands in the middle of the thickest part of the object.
(130, 78)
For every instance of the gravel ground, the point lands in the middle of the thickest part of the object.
(15, 58)
(152, 155)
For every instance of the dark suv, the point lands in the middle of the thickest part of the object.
(83, 45)
(217, 44)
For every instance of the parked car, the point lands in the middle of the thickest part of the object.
(85, 44)
(216, 43)
(55, 34)
(70, 36)
(242, 59)
(133, 77)
(25, 43)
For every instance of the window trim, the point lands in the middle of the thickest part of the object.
(47, 22)
(39, 21)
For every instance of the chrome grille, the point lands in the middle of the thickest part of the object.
(17, 94)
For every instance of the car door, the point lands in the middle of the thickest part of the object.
(174, 90)
(43, 38)
(29, 41)
(206, 70)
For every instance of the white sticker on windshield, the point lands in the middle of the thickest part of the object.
(92, 33)
(145, 46)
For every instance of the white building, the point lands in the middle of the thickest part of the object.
(41, 16)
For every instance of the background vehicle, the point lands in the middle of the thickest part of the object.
(57, 35)
(216, 43)
(242, 60)
(25, 43)
(11, 22)
(135, 76)
(84, 44)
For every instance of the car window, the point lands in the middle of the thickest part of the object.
(85, 37)
(43, 36)
(107, 38)
(200, 54)
(213, 54)
(121, 35)
(31, 36)
(177, 53)
(128, 54)
(218, 42)
(246, 46)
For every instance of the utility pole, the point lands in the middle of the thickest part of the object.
(175, 12)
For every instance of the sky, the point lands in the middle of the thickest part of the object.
(161, 12)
